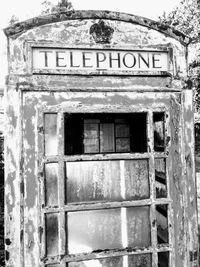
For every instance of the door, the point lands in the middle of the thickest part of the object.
(104, 179)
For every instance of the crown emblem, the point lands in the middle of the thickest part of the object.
(101, 33)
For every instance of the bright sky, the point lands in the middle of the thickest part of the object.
(24, 9)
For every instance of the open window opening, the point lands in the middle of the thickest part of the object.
(105, 133)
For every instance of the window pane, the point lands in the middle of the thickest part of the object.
(160, 177)
(91, 136)
(107, 262)
(52, 234)
(51, 184)
(122, 144)
(122, 130)
(93, 230)
(107, 180)
(50, 131)
(107, 142)
(158, 120)
(163, 259)
(162, 223)
(136, 179)
(108, 229)
(138, 227)
(143, 260)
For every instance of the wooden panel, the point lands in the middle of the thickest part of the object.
(51, 184)
(160, 177)
(52, 234)
(107, 181)
(50, 130)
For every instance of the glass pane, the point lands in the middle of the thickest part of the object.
(138, 227)
(93, 181)
(107, 180)
(51, 184)
(50, 132)
(162, 223)
(107, 142)
(93, 230)
(122, 144)
(106, 262)
(136, 174)
(122, 130)
(158, 120)
(160, 177)
(91, 136)
(163, 259)
(108, 229)
(143, 260)
(52, 234)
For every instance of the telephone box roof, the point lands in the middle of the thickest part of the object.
(21, 27)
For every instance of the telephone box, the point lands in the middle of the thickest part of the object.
(99, 143)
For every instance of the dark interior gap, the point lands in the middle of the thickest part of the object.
(75, 135)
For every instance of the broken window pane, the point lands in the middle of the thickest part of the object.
(50, 134)
(143, 260)
(105, 133)
(51, 184)
(51, 234)
(108, 229)
(162, 223)
(159, 131)
(160, 177)
(107, 180)
(163, 259)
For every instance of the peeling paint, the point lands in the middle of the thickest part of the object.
(29, 95)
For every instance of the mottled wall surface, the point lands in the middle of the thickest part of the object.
(28, 94)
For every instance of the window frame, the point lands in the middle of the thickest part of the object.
(62, 208)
